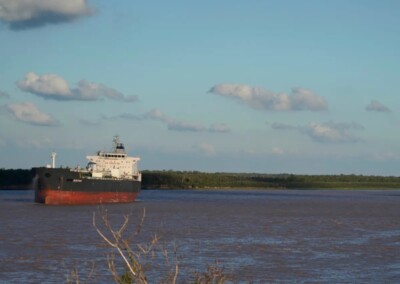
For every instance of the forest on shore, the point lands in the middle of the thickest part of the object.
(179, 179)
(22, 178)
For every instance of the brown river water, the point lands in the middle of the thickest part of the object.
(255, 236)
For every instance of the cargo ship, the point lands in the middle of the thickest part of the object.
(109, 177)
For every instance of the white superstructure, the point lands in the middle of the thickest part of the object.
(115, 164)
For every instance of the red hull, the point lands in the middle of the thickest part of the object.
(58, 197)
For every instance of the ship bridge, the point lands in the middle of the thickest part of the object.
(115, 163)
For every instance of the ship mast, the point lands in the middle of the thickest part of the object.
(53, 159)
(116, 143)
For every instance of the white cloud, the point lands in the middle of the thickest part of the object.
(377, 106)
(303, 99)
(158, 115)
(185, 126)
(260, 99)
(48, 86)
(328, 132)
(176, 125)
(29, 113)
(92, 91)
(54, 87)
(219, 127)
(25, 14)
(278, 151)
(332, 132)
(207, 149)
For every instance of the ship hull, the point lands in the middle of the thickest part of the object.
(58, 186)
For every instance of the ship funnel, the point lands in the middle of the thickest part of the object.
(53, 159)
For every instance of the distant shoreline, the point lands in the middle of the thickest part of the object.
(22, 179)
(16, 187)
(201, 180)
(22, 188)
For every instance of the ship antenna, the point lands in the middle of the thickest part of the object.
(53, 159)
(116, 142)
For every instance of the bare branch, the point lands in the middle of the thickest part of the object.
(116, 243)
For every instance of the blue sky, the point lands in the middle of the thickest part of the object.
(304, 87)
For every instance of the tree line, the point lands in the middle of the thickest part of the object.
(22, 178)
(15, 178)
(194, 179)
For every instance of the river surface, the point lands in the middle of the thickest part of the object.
(262, 236)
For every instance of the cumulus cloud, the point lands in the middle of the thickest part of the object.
(261, 99)
(25, 14)
(54, 87)
(29, 113)
(377, 106)
(328, 132)
(92, 91)
(332, 132)
(302, 99)
(48, 86)
(176, 125)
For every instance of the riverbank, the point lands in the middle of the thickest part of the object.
(22, 179)
(201, 180)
